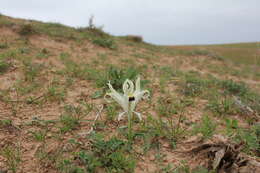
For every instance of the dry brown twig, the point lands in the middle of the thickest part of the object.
(96, 118)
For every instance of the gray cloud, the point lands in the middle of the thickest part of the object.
(159, 22)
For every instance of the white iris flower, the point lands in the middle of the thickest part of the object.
(129, 99)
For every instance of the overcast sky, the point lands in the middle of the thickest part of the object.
(158, 21)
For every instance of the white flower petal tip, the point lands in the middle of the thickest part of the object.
(128, 87)
(138, 115)
(120, 116)
(146, 94)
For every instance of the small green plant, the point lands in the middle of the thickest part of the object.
(6, 122)
(24, 50)
(251, 139)
(12, 156)
(67, 166)
(169, 110)
(111, 112)
(3, 45)
(4, 66)
(39, 135)
(150, 131)
(183, 168)
(31, 70)
(166, 108)
(69, 122)
(142, 56)
(167, 74)
(110, 155)
(115, 75)
(70, 119)
(118, 76)
(222, 107)
(64, 56)
(231, 126)
(44, 53)
(206, 127)
(164, 127)
(193, 86)
(96, 32)
(234, 88)
(90, 161)
(55, 92)
(134, 38)
(26, 30)
(105, 42)
(25, 88)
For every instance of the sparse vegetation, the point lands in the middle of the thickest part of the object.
(4, 66)
(251, 138)
(134, 38)
(53, 116)
(12, 155)
(26, 30)
(223, 107)
(105, 42)
(110, 155)
(206, 127)
(31, 71)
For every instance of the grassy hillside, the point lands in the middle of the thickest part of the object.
(202, 115)
(240, 53)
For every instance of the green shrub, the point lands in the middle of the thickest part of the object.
(245, 94)
(5, 123)
(115, 75)
(251, 139)
(200, 52)
(4, 66)
(44, 53)
(134, 38)
(69, 122)
(193, 86)
(166, 108)
(12, 155)
(105, 42)
(31, 70)
(97, 32)
(109, 155)
(3, 45)
(118, 76)
(231, 126)
(222, 107)
(234, 88)
(90, 161)
(206, 127)
(26, 30)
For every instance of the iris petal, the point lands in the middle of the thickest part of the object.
(119, 98)
(138, 96)
(137, 84)
(128, 87)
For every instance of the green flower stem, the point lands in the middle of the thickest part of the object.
(129, 114)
